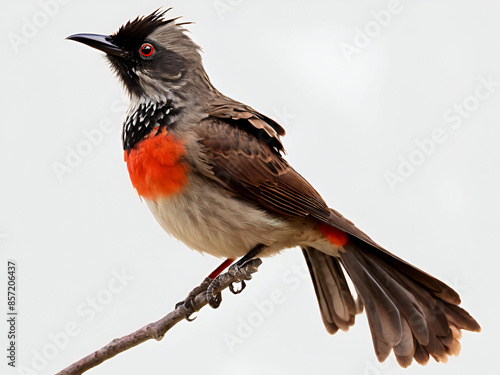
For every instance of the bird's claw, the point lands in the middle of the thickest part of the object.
(189, 319)
(188, 306)
(188, 303)
(214, 298)
(238, 272)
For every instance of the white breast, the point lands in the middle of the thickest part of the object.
(209, 220)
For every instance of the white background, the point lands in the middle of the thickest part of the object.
(348, 124)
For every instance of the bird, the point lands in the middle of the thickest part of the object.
(213, 172)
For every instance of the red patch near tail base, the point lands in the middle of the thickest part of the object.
(334, 235)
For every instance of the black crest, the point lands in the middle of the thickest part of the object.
(165, 64)
(140, 28)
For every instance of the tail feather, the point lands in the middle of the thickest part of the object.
(409, 312)
(405, 350)
(336, 303)
(383, 315)
(439, 288)
(461, 318)
(427, 308)
(435, 286)
(421, 355)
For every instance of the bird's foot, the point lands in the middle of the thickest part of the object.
(237, 273)
(188, 302)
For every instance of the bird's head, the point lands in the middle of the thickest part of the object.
(151, 55)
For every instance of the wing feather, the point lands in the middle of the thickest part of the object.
(252, 166)
(245, 152)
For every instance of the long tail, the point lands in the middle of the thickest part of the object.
(409, 311)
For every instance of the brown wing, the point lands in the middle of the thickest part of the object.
(244, 150)
(246, 159)
(238, 111)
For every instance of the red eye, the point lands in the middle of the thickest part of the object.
(146, 50)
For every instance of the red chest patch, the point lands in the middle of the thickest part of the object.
(155, 166)
(334, 235)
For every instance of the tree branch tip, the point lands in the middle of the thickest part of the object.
(157, 330)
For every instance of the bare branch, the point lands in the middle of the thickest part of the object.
(157, 330)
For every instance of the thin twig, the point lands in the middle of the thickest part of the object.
(157, 330)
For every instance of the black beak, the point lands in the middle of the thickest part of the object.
(100, 42)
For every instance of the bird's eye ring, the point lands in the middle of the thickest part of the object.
(146, 50)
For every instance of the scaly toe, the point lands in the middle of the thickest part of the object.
(214, 299)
